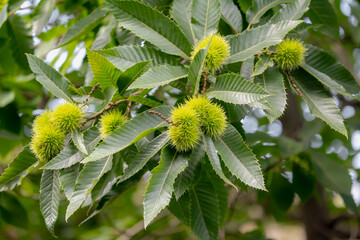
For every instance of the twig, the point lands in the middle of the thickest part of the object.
(108, 107)
(162, 117)
(205, 83)
(128, 107)
(293, 83)
(89, 95)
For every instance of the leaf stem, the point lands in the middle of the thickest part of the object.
(162, 117)
(205, 83)
(89, 95)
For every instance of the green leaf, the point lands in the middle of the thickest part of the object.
(130, 132)
(49, 197)
(245, 4)
(159, 76)
(151, 25)
(131, 74)
(231, 15)
(185, 179)
(196, 68)
(144, 101)
(83, 26)
(21, 41)
(205, 17)
(51, 79)
(292, 11)
(273, 82)
(236, 89)
(250, 42)
(181, 208)
(181, 13)
(262, 64)
(129, 55)
(260, 7)
(204, 209)
(105, 73)
(87, 179)
(304, 176)
(161, 184)
(22, 164)
(214, 158)
(332, 174)
(43, 12)
(330, 72)
(78, 140)
(320, 102)
(6, 97)
(71, 154)
(280, 190)
(105, 34)
(239, 159)
(3, 14)
(67, 178)
(321, 12)
(145, 155)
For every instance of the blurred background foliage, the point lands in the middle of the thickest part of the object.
(34, 26)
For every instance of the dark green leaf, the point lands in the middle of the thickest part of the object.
(67, 178)
(131, 74)
(231, 15)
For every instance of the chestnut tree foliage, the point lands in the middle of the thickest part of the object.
(140, 63)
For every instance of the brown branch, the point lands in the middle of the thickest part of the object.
(108, 107)
(205, 83)
(162, 117)
(89, 95)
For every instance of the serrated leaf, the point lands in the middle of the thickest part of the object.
(145, 155)
(196, 68)
(204, 209)
(250, 42)
(260, 7)
(71, 155)
(214, 158)
(236, 89)
(231, 15)
(43, 12)
(67, 178)
(151, 25)
(83, 26)
(262, 64)
(205, 17)
(124, 57)
(105, 34)
(144, 101)
(321, 12)
(131, 74)
(21, 40)
(105, 73)
(161, 184)
(159, 76)
(22, 164)
(239, 159)
(181, 13)
(87, 179)
(330, 72)
(292, 11)
(50, 197)
(320, 102)
(272, 81)
(51, 79)
(130, 132)
(78, 140)
(181, 208)
(185, 179)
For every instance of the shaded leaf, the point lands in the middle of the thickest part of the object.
(262, 64)
(131, 74)
(181, 208)
(161, 184)
(22, 164)
(49, 197)
(231, 15)
(83, 26)
(181, 13)
(67, 178)
(239, 159)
